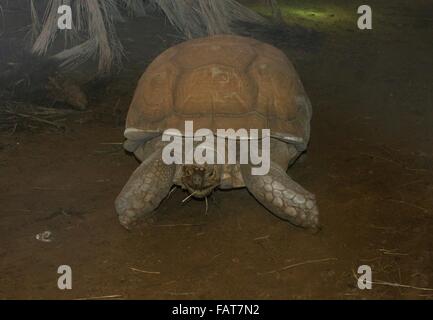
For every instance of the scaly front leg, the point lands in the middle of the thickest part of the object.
(145, 189)
(283, 196)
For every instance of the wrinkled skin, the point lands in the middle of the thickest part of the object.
(200, 180)
(152, 180)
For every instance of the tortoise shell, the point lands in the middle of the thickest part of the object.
(221, 82)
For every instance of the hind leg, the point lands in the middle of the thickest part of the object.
(146, 188)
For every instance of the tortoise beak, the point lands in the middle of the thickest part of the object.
(197, 180)
(200, 182)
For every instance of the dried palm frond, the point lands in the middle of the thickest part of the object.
(36, 23)
(2, 21)
(95, 32)
(94, 23)
(277, 15)
(197, 18)
(102, 16)
(70, 59)
(49, 28)
(135, 8)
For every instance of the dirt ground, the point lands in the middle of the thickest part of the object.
(370, 164)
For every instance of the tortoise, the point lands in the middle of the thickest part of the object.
(222, 81)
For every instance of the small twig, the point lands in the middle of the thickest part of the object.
(398, 163)
(207, 206)
(382, 158)
(179, 225)
(398, 285)
(298, 264)
(425, 210)
(180, 293)
(186, 199)
(101, 297)
(27, 116)
(14, 129)
(392, 253)
(144, 271)
(262, 238)
(393, 284)
(112, 143)
(216, 256)
(171, 191)
(409, 183)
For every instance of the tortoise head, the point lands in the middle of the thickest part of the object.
(201, 180)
